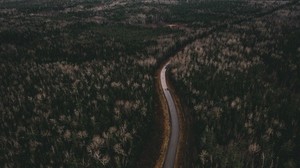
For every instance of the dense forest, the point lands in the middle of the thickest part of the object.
(241, 86)
(69, 92)
(77, 81)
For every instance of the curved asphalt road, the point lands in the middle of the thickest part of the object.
(173, 141)
(170, 158)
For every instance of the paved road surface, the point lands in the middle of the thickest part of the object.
(173, 141)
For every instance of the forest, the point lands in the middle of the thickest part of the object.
(77, 81)
(241, 86)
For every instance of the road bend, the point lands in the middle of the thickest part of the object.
(170, 158)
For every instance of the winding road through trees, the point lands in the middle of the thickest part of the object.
(170, 157)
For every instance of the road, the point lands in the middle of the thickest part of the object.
(174, 123)
(171, 151)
